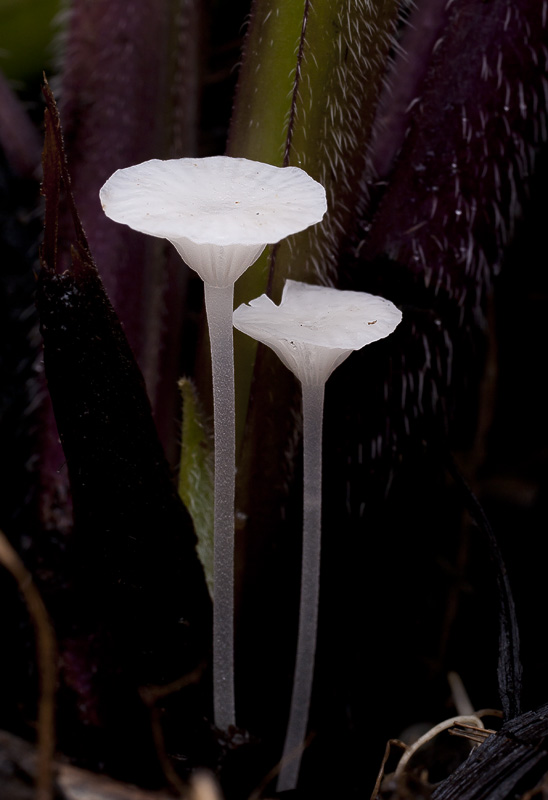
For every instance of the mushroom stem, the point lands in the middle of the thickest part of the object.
(313, 399)
(219, 303)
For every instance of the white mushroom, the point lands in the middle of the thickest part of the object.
(313, 330)
(219, 213)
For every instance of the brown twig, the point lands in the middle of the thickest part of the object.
(150, 695)
(471, 732)
(431, 734)
(73, 783)
(46, 655)
(387, 751)
(275, 771)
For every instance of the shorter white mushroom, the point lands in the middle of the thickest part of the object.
(219, 213)
(313, 330)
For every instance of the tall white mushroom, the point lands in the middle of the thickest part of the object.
(313, 330)
(219, 213)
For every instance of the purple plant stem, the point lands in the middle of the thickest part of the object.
(130, 92)
(403, 86)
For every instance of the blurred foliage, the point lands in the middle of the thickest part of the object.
(27, 30)
(196, 475)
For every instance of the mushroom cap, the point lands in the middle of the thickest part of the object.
(217, 200)
(316, 327)
(320, 315)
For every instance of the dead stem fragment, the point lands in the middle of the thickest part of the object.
(46, 654)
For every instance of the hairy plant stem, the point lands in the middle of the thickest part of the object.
(219, 303)
(313, 399)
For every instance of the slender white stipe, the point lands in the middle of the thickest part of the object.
(313, 330)
(219, 213)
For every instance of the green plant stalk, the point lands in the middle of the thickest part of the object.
(307, 97)
(259, 131)
(196, 475)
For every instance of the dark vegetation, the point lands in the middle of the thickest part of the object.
(449, 224)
